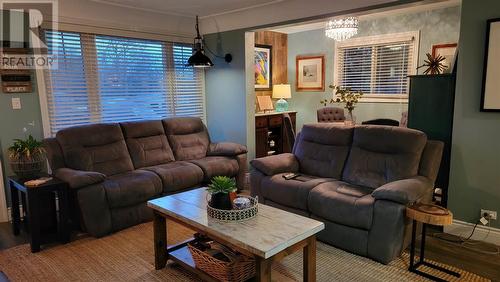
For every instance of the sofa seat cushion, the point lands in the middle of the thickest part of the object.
(215, 166)
(343, 203)
(131, 188)
(292, 193)
(177, 175)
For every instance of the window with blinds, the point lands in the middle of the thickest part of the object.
(379, 66)
(102, 78)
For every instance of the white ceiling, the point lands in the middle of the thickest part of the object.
(190, 8)
(320, 24)
(224, 15)
(177, 16)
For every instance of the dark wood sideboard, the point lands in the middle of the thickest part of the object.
(269, 133)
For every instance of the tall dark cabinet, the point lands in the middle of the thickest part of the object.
(430, 109)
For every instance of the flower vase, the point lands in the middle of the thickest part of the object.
(350, 120)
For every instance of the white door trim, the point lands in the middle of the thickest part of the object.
(3, 203)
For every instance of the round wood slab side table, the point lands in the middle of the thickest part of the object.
(427, 214)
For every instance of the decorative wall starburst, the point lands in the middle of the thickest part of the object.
(434, 64)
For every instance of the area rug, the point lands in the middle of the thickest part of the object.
(128, 256)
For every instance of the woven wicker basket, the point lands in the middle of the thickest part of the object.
(235, 215)
(240, 270)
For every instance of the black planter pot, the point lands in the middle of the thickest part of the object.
(221, 201)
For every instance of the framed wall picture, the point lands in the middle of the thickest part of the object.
(264, 103)
(310, 73)
(448, 51)
(490, 99)
(263, 67)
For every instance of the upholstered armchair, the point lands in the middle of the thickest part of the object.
(331, 114)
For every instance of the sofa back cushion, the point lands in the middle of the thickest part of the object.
(382, 154)
(188, 137)
(322, 149)
(147, 143)
(95, 147)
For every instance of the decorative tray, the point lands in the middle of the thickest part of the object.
(235, 214)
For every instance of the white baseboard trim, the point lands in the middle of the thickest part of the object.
(463, 229)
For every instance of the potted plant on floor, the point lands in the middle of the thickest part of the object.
(346, 96)
(222, 189)
(27, 157)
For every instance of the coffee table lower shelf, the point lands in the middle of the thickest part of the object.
(182, 256)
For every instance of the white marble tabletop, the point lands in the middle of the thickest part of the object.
(265, 235)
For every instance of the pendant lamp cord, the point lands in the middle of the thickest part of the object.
(204, 44)
(197, 29)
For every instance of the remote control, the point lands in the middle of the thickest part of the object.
(290, 176)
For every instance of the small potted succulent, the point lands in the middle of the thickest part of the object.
(27, 157)
(222, 189)
(346, 96)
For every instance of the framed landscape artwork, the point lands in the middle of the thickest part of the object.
(448, 51)
(490, 99)
(310, 73)
(263, 69)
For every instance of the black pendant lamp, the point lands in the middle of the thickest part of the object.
(199, 59)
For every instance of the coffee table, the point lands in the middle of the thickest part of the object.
(270, 236)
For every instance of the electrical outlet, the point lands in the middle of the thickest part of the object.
(492, 214)
(16, 103)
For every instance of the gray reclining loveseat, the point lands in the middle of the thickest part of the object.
(357, 180)
(114, 168)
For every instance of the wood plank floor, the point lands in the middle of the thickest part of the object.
(7, 239)
(472, 260)
(469, 257)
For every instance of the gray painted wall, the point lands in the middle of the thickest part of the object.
(475, 158)
(437, 26)
(225, 88)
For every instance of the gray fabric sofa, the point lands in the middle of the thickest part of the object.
(113, 169)
(357, 180)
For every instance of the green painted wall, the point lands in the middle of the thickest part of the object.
(475, 159)
(436, 26)
(18, 123)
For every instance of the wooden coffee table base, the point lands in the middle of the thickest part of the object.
(180, 254)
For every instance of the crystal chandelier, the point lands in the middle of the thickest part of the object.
(342, 29)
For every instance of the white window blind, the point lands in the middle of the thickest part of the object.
(102, 78)
(378, 66)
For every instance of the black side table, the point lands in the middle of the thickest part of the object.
(41, 215)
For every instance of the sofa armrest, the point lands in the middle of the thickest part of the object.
(226, 149)
(404, 191)
(79, 178)
(272, 165)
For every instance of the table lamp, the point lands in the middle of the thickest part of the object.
(282, 91)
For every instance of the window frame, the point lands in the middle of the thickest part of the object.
(41, 73)
(376, 40)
